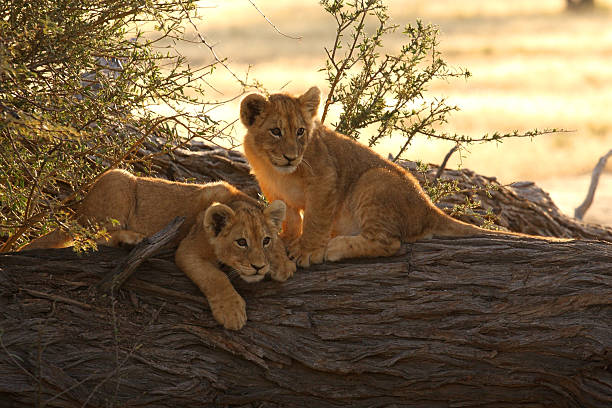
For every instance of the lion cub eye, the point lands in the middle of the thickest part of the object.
(266, 241)
(300, 131)
(276, 132)
(242, 243)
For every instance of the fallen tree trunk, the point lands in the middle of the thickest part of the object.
(487, 322)
(520, 207)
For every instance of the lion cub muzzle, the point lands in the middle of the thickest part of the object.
(287, 164)
(240, 241)
(256, 270)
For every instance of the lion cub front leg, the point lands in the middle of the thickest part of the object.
(281, 267)
(227, 306)
(292, 226)
(318, 219)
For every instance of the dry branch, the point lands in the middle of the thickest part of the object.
(141, 252)
(588, 200)
(487, 322)
(445, 161)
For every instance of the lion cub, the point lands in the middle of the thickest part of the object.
(354, 202)
(222, 225)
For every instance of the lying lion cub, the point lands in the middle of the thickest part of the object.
(354, 202)
(222, 225)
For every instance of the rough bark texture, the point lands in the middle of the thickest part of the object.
(520, 207)
(486, 322)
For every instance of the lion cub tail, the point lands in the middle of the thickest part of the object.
(447, 226)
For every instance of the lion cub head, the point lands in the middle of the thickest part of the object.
(280, 126)
(243, 236)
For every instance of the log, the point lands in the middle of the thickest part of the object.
(481, 321)
(519, 207)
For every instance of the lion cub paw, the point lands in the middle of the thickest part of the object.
(335, 249)
(122, 237)
(283, 270)
(305, 257)
(230, 311)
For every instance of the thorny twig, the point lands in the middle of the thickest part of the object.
(347, 58)
(223, 61)
(273, 26)
(213, 52)
(493, 137)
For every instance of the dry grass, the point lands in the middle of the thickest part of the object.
(533, 65)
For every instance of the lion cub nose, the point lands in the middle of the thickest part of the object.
(289, 158)
(257, 267)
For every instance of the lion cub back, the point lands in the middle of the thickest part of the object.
(120, 200)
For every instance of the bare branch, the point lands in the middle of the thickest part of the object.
(445, 161)
(601, 164)
(213, 52)
(145, 249)
(346, 60)
(273, 26)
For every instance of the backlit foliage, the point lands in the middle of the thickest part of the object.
(78, 81)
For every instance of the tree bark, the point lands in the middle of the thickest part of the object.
(483, 321)
(494, 322)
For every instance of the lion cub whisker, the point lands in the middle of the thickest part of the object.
(306, 163)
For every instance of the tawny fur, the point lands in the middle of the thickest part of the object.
(354, 202)
(217, 217)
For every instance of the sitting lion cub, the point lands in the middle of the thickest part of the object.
(222, 225)
(354, 202)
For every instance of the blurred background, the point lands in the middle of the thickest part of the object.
(534, 64)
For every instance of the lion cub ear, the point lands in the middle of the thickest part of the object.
(310, 100)
(251, 107)
(217, 216)
(275, 213)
